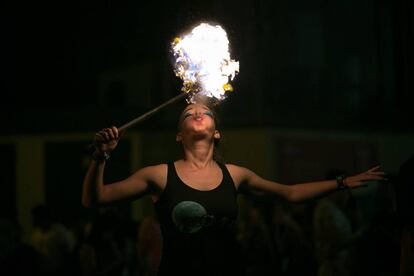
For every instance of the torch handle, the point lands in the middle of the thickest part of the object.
(143, 117)
(150, 113)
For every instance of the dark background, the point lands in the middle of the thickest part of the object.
(320, 64)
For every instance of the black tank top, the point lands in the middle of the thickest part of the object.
(198, 227)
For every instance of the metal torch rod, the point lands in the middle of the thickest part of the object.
(151, 112)
(144, 116)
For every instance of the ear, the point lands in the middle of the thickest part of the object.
(217, 134)
(178, 138)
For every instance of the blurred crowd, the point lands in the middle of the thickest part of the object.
(339, 234)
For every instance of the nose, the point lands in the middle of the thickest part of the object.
(198, 113)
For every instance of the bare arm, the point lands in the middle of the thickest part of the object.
(142, 182)
(247, 181)
(92, 184)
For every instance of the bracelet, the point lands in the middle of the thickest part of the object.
(340, 182)
(100, 156)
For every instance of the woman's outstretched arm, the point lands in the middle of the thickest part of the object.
(248, 181)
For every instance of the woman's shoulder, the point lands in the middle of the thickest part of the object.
(153, 172)
(156, 167)
(238, 173)
(234, 167)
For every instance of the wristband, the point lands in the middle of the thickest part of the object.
(340, 182)
(100, 156)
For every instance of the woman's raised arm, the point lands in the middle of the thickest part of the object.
(142, 182)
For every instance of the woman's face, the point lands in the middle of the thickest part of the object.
(197, 119)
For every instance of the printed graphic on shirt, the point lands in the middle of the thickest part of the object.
(190, 216)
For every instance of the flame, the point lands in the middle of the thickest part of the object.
(202, 61)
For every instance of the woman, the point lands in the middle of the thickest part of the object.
(195, 197)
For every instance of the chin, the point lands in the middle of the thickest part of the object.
(201, 134)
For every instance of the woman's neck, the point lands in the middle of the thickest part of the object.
(199, 154)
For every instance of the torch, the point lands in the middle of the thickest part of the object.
(148, 114)
(202, 61)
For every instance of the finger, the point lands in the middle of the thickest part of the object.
(374, 168)
(105, 135)
(111, 134)
(379, 177)
(373, 178)
(99, 137)
(115, 131)
(378, 173)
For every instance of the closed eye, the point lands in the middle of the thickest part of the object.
(209, 113)
(186, 115)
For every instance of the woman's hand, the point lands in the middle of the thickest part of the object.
(359, 180)
(106, 140)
